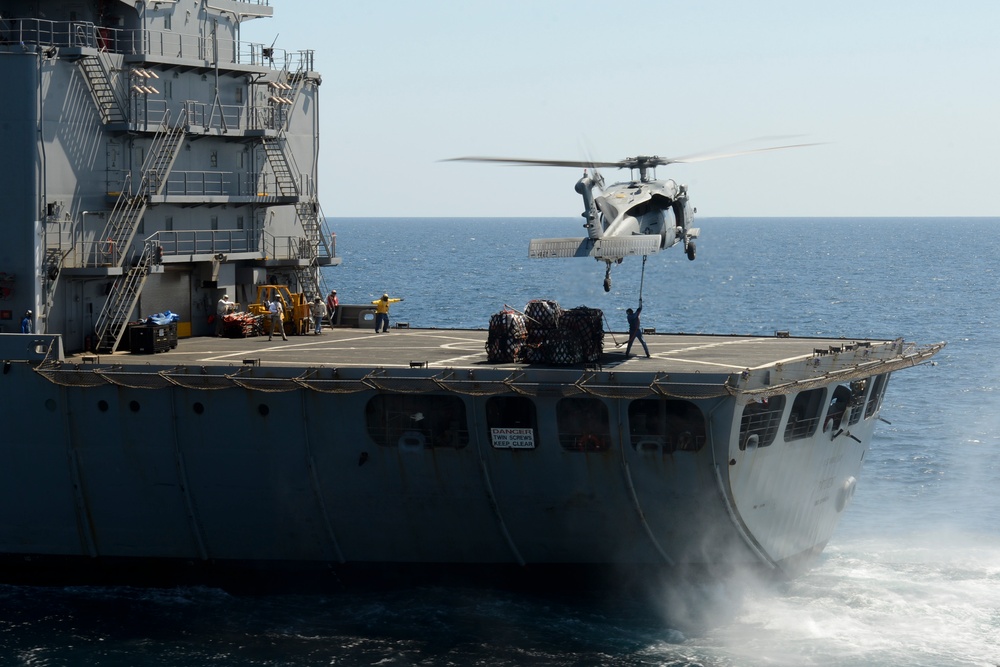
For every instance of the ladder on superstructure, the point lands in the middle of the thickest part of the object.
(124, 295)
(97, 72)
(123, 223)
(307, 211)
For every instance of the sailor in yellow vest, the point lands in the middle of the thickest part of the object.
(382, 313)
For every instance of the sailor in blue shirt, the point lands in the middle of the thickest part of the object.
(635, 330)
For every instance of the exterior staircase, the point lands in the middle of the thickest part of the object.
(284, 91)
(97, 71)
(113, 320)
(123, 223)
(290, 82)
(307, 209)
(130, 207)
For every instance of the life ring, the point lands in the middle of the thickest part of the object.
(109, 247)
(846, 493)
(588, 442)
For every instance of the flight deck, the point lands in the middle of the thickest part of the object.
(466, 348)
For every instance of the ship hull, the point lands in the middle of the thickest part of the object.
(212, 474)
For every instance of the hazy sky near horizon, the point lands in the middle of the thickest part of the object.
(903, 94)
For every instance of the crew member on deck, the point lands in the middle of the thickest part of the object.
(277, 310)
(635, 330)
(382, 313)
(27, 324)
(317, 310)
(223, 308)
(332, 302)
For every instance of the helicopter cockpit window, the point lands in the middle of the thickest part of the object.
(667, 426)
(417, 422)
(583, 424)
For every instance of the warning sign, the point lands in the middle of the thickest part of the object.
(513, 438)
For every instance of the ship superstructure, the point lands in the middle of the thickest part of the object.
(152, 161)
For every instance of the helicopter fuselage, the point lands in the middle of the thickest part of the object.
(628, 209)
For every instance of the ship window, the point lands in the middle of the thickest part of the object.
(583, 424)
(759, 424)
(875, 399)
(804, 417)
(512, 422)
(412, 421)
(857, 404)
(838, 406)
(667, 426)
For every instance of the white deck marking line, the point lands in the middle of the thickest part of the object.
(707, 346)
(702, 362)
(455, 359)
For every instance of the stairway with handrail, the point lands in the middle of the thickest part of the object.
(123, 223)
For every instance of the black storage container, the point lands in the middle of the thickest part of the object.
(149, 339)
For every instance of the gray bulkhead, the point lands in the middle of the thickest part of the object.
(302, 476)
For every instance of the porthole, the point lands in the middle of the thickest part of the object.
(263, 410)
(102, 405)
(50, 404)
(198, 408)
(133, 406)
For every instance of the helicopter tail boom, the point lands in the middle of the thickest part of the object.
(611, 248)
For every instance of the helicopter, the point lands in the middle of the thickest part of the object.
(628, 218)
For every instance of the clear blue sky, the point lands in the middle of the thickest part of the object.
(906, 93)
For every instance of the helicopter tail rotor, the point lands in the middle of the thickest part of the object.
(585, 188)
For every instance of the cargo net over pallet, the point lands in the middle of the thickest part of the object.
(546, 334)
(242, 325)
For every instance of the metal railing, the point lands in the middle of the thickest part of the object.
(28, 32)
(204, 242)
(226, 117)
(206, 183)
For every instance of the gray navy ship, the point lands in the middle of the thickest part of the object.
(154, 161)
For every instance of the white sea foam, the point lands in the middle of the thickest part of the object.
(930, 600)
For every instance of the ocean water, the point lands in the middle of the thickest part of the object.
(911, 578)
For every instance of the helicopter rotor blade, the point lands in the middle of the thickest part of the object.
(704, 157)
(637, 162)
(598, 179)
(529, 162)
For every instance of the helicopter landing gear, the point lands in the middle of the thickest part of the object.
(607, 278)
(690, 250)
